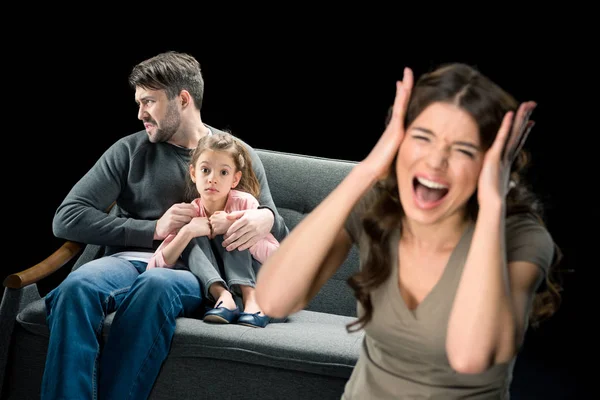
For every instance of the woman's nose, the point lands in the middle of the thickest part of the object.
(438, 158)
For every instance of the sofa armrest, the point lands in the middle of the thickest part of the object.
(52, 263)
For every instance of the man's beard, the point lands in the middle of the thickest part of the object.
(169, 125)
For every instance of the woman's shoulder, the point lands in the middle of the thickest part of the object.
(523, 224)
(528, 239)
(353, 223)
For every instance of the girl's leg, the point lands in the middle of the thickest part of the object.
(252, 315)
(240, 274)
(237, 267)
(200, 258)
(249, 299)
(224, 297)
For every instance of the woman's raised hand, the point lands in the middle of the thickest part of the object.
(495, 173)
(381, 156)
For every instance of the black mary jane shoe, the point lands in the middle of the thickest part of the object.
(222, 315)
(253, 320)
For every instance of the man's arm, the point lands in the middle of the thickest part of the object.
(82, 215)
(279, 229)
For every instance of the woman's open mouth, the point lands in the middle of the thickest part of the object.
(428, 193)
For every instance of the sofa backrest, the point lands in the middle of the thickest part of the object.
(298, 183)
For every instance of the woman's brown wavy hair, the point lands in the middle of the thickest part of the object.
(487, 103)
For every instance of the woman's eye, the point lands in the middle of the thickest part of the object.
(468, 153)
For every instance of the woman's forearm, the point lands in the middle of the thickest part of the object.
(288, 275)
(482, 311)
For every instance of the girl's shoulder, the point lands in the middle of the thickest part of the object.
(244, 198)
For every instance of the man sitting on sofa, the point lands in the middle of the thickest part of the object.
(144, 174)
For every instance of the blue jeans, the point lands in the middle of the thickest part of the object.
(146, 304)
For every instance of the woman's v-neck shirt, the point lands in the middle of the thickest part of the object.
(403, 354)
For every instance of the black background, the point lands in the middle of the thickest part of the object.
(307, 87)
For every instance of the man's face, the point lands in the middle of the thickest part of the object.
(160, 116)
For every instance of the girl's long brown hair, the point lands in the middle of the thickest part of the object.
(487, 103)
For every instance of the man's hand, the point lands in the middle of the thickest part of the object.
(249, 227)
(171, 222)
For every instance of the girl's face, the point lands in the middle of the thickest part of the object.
(438, 164)
(215, 175)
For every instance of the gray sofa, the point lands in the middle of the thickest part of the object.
(310, 356)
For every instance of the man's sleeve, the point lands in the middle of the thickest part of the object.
(279, 229)
(82, 216)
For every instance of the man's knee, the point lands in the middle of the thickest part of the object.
(163, 286)
(78, 283)
(155, 279)
(79, 290)
(164, 282)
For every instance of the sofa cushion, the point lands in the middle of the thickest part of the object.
(309, 341)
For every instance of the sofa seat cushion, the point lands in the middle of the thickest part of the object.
(309, 341)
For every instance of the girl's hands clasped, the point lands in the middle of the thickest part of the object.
(199, 226)
(220, 223)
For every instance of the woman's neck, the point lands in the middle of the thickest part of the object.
(440, 236)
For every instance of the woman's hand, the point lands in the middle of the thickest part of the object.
(495, 173)
(382, 155)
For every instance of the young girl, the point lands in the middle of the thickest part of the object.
(222, 181)
(452, 247)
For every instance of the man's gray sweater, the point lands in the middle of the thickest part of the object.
(144, 179)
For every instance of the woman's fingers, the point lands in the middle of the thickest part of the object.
(403, 91)
(519, 131)
(499, 146)
(528, 128)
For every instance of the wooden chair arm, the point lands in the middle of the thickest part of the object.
(55, 261)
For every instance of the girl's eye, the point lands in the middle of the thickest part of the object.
(421, 138)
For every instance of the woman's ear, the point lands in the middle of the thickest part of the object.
(236, 179)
